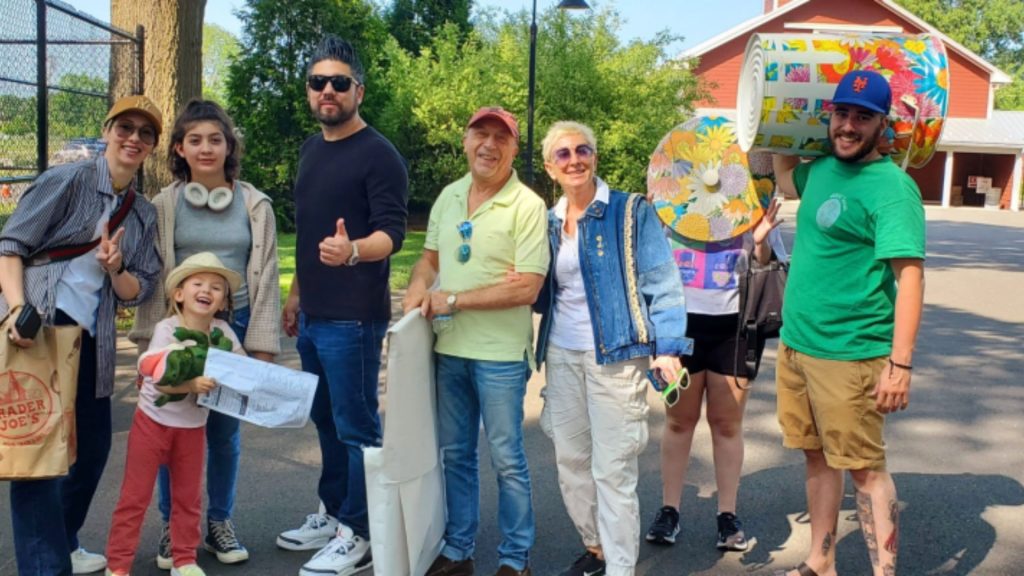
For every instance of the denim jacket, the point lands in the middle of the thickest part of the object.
(634, 293)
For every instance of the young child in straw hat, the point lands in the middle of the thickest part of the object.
(172, 433)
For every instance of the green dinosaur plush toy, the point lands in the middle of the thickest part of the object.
(178, 363)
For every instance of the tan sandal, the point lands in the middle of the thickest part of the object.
(802, 569)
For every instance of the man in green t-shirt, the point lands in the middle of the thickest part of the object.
(481, 227)
(850, 319)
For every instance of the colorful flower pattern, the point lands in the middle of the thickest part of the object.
(916, 67)
(715, 198)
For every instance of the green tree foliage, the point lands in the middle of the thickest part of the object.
(992, 28)
(1012, 97)
(413, 23)
(631, 95)
(220, 47)
(17, 115)
(79, 110)
(266, 83)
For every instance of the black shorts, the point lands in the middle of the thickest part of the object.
(714, 345)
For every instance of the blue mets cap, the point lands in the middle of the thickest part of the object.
(865, 88)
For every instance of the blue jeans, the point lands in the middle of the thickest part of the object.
(47, 514)
(223, 452)
(466, 391)
(345, 355)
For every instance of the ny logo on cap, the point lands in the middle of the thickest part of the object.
(860, 83)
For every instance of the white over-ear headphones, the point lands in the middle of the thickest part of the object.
(217, 199)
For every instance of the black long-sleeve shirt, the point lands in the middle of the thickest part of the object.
(364, 180)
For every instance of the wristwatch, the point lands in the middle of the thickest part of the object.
(450, 301)
(354, 258)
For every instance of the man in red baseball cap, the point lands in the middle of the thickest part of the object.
(850, 320)
(496, 113)
(482, 226)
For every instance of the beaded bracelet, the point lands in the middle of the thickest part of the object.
(893, 363)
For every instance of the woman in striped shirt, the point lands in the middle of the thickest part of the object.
(67, 210)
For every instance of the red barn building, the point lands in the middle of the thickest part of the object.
(977, 141)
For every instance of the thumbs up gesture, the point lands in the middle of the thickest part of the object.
(108, 253)
(336, 250)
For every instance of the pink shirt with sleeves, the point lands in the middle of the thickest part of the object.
(184, 413)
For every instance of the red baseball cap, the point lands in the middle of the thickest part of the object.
(497, 113)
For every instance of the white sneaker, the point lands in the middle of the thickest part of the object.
(84, 562)
(346, 554)
(187, 570)
(315, 533)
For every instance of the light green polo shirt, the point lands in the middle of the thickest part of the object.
(509, 232)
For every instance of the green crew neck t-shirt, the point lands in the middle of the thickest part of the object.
(841, 292)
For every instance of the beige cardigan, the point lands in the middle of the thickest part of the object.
(264, 332)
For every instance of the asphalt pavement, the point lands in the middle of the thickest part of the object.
(957, 454)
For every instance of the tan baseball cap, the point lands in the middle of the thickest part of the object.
(202, 262)
(140, 104)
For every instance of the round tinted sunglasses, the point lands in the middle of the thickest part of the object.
(584, 152)
(339, 82)
(124, 131)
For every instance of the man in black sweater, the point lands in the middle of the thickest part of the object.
(350, 213)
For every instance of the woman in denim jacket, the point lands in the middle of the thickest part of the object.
(612, 300)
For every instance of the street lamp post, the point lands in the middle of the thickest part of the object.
(528, 152)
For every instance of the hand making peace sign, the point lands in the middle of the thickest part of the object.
(109, 253)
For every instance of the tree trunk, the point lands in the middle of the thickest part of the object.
(173, 63)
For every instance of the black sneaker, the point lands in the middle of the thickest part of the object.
(586, 565)
(665, 527)
(730, 533)
(221, 540)
(164, 561)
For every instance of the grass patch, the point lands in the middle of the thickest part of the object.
(401, 268)
(401, 263)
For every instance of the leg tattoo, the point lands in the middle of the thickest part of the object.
(826, 545)
(892, 543)
(867, 525)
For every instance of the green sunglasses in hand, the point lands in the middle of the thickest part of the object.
(670, 391)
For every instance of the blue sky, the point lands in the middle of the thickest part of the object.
(695, 20)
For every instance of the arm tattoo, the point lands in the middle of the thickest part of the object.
(889, 570)
(867, 525)
(892, 543)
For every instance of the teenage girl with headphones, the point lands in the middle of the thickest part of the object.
(208, 209)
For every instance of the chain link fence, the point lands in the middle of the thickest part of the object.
(58, 69)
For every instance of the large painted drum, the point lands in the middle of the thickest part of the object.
(701, 183)
(788, 80)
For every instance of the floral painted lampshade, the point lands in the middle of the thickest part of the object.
(700, 181)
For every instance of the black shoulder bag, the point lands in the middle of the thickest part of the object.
(761, 289)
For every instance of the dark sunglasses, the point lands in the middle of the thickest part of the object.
(466, 232)
(584, 152)
(124, 130)
(670, 391)
(339, 82)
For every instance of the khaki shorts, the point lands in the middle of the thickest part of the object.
(826, 405)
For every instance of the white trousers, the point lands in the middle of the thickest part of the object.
(597, 417)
